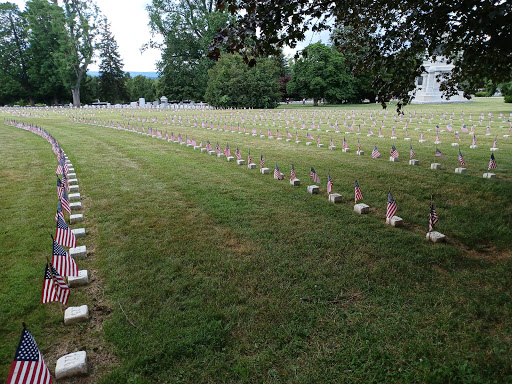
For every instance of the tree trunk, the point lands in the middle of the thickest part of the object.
(31, 101)
(55, 100)
(315, 102)
(76, 96)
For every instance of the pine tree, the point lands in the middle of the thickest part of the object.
(112, 77)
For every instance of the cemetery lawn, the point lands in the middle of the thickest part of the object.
(214, 273)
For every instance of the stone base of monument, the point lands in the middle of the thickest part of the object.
(71, 175)
(295, 182)
(73, 364)
(422, 141)
(455, 144)
(74, 196)
(435, 166)
(320, 145)
(414, 162)
(309, 143)
(74, 188)
(362, 209)
(460, 170)
(75, 206)
(74, 315)
(240, 162)
(494, 149)
(75, 218)
(473, 146)
(436, 237)
(204, 150)
(230, 158)
(265, 171)
(313, 189)
(72, 181)
(298, 142)
(360, 153)
(335, 198)
(219, 155)
(79, 252)
(78, 281)
(489, 175)
(395, 221)
(251, 166)
(394, 159)
(79, 232)
(345, 150)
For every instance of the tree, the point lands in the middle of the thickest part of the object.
(187, 28)
(232, 84)
(82, 18)
(14, 54)
(112, 78)
(474, 35)
(47, 31)
(142, 86)
(320, 73)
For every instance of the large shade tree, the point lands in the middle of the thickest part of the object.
(474, 35)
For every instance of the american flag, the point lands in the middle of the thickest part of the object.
(28, 366)
(375, 153)
(495, 144)
(309, 137)
(461, 159)
(288, 134)
(358, 146)
(329, 183)
(208, 145)
(249, 158)
(492, 163)
(63, 234)
(238, 154)
(60, 188)
(474, 140)
(166, 136)
(391, 208)
(60, 167)
(59, 213)
(193, 142)
(201, 144)
(277, 133)
(318, 140)
(292, 173)
(172, 136)
(357, 192)
(439, 154)
(65, 182)
(422, 136)
(345, 145)
(433, 218)
(331, 145)
(296, 136)
(65, 202)
(262, 161)
(315, 177)
(64, 264)
(277, 173)
(217, 148)
(457, 136)
(54, 287)
(393, 152)
(269, 132)
(412, 152)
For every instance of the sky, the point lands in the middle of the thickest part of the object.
(129, 24)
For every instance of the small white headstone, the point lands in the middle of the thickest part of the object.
(74, 196)
(393, 137)
(437, 142)
(335, 198)
(75, 218)
(71, 169)
(71, 175)
(240, 162)
(219, 155)
(313, 189)
(489, 176)
(435, 166)
(362, 209)
(265, 171)
(436, 237)
(70, 365)
(74, 188)
(407, 139)
(81, 279)
(279, 138)
(255, 134)
(251, 166)
(360, 153)
(506, 135)
(298, 142)
(79, 232)
(455, 144)
(78, 252)
(230, 158)
(422, 141)
(346, 150)
(184, 143)
(295, 182)
(414, 162)
(68, 162)
(394, 159)
(333, 147)
(204, 150)
(460, 170)
(75, 206)
(395, 221)
(495, 149)
(320, 145)
(473, 146)
(309, 143)
(74, 315)
(196, 147)
(288, 140)
(280, 177)
(72, 181)
(262, 136)
(211, 153)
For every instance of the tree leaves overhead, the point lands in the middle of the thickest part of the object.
(474, 35)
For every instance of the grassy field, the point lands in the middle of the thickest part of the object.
(208, 272)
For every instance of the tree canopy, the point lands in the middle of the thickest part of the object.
(474, 35)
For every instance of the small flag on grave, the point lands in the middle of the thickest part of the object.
(391, 207)
(439, 154)
(412, 154)
(54, 287)
(28, 366)
(357, 192)
(314, 175)
(331, 145)
(292, 173)
(262, 161)
(345, 145)
(65, 202)
(492, 163)
(227, 151)
(375, 153)
(277, 173)
(394, 152)
(249, 158)
(63, 234)
(238, 155)
(63, 263)
(329, 183)
(461, 159)
(59, 213)
(433, 218)
(60, 188)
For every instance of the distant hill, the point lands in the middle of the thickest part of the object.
(151, 75)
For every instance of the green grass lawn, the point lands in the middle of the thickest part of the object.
(227, 275)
